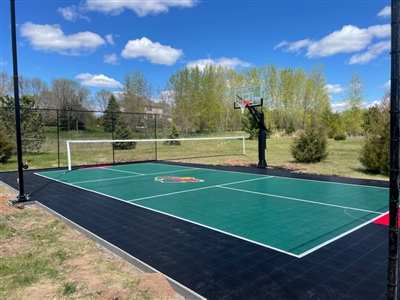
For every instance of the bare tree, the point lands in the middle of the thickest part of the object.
(73, 100)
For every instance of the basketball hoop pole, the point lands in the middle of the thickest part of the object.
(262, 135)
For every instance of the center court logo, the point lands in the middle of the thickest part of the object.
(173, 179)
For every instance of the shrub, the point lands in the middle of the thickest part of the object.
(291, 128)
(375, 154)
(123, 132)
(310, 146)
(174, 135)
(340, 136)
(7, 147)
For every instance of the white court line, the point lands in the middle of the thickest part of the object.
(300, 200)
(198, 189)
(333, 182)
(122, 171)
(132, 176)
(339, 236)
(218, 230)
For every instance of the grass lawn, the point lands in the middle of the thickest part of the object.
(42, 258)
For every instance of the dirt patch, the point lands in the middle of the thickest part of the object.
(291, 166)
(90, 274)
(13, 245)
(236, 162)
(156, 282)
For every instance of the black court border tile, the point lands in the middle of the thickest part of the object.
(218, 266)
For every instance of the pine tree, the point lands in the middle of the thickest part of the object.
(174, 135)
(310, 146)
(111, 115)
(7, 147)
(375, 153)
(123, 132)
(31, 119)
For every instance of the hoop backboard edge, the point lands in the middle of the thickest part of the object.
(253, 94)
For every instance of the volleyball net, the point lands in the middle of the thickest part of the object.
(99, 152)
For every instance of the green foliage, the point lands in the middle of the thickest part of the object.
(310, 146)
(375, 153)
(174, 135)
(353, 115)
(7, 147)
(69, 288)
(199, 97)
(250, 125)
(333, 125)
(70, 97)
(295, 97)
(123, 132)
(111, 114)
(71, 120)
(291, 128)
(340, 136)
(31, 121)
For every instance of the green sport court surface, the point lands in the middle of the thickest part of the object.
(293, 216)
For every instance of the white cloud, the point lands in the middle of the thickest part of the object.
(71, 13)
(334, 88)
(111, 59)
(373, 51)
(98, 81)
(154, 52)
(346, 40)
(141, 8)
(52, 39)
(372, 104)
(295, 46)
(167, 96)
(386, 85)
(338, 106)
(3, 62)
(110, 39)
(386, 12)
(230, 63)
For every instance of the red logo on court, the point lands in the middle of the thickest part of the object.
(173, 179)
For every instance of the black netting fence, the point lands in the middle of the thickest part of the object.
(44, 133)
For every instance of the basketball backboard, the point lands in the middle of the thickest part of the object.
(248, 96)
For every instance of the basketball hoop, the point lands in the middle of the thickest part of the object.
(242, 104)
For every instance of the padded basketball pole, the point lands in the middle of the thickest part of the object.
(262, 135)
(393, 254)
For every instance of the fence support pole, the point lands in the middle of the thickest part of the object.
(21, 197)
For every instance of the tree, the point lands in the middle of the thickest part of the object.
(7, 147)
(250, 125)
(123, 132)
(294, 97)
(310, 146)
(72, 99)
(135, 92)
(32, 132)
(174, 135)
(101, 99)
(333, 125)
(375, 153)
(353, 115)
(111, 114)
(199, 97)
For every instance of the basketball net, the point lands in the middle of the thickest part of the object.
(242, 104)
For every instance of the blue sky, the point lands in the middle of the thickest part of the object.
(98, 42)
